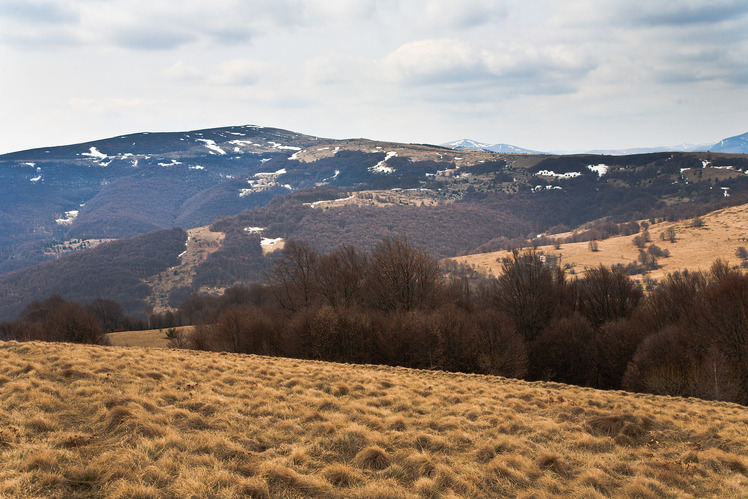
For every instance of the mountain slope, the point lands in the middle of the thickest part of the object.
(695, 246)
(450, 203)
(115, 270)
(132, 184)
(737, 144)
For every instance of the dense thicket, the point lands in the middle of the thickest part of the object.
(55, 319)
(391, 305)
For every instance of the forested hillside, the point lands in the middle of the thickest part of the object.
(114, 270)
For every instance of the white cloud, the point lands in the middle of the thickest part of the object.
(179, 71)
(412, 70)
(465, 14)
(239, 72)
(108, 105)
(434, 61)
(551, 69)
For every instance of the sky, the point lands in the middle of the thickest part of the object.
(544, 75)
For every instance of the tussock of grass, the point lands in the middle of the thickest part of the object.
(81, 421)
(372, 458)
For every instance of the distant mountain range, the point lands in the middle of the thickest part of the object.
(60, 205)
(734, 145)
(472, 145)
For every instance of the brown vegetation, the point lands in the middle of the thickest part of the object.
(83, 421)
(720, 235)
(391, 306)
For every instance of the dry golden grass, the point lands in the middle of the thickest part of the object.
(80, 421)
(149, 338)
(696, 248)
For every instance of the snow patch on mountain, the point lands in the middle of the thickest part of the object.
(564, 176)
(95, 153)
(277, 145)
(211, 145)
(474, 145)
(382, 167)
(174, 162)
(600, 169)
(69, 218)
(270, 174)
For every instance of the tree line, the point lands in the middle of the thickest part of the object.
(58, 319)
(392, 305)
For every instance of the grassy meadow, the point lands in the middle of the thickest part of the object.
(83, 421)
(154, 338)
(695, 248)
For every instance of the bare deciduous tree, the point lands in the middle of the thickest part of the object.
(401, 277)
(293, 277)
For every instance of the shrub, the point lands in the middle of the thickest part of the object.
(741, 253)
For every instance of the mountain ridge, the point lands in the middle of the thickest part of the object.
(257, 184)
(737, 144)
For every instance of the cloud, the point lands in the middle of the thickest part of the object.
(107, 105)
(36, 12)
(465, 14)
(239, 72)
(179, 71)
(688, 12)
(433, 62)
(148, 25)
(151, 37)
(552, 69)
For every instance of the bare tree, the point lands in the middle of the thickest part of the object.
(293, 277)
(340, 274)
(668, 234)
(528, 292)
(606, 294)
(401, 277)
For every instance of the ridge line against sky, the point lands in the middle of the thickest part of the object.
(543, 75)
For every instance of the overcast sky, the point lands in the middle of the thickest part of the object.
(545, 75)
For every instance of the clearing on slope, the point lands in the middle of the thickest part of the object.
(201, 242)
(697, 244)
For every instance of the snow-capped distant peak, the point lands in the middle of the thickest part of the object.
(474, 145)
(467, 144)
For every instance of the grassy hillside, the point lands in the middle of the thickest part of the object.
(153, 338)
(79, 421)
(696, 247)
